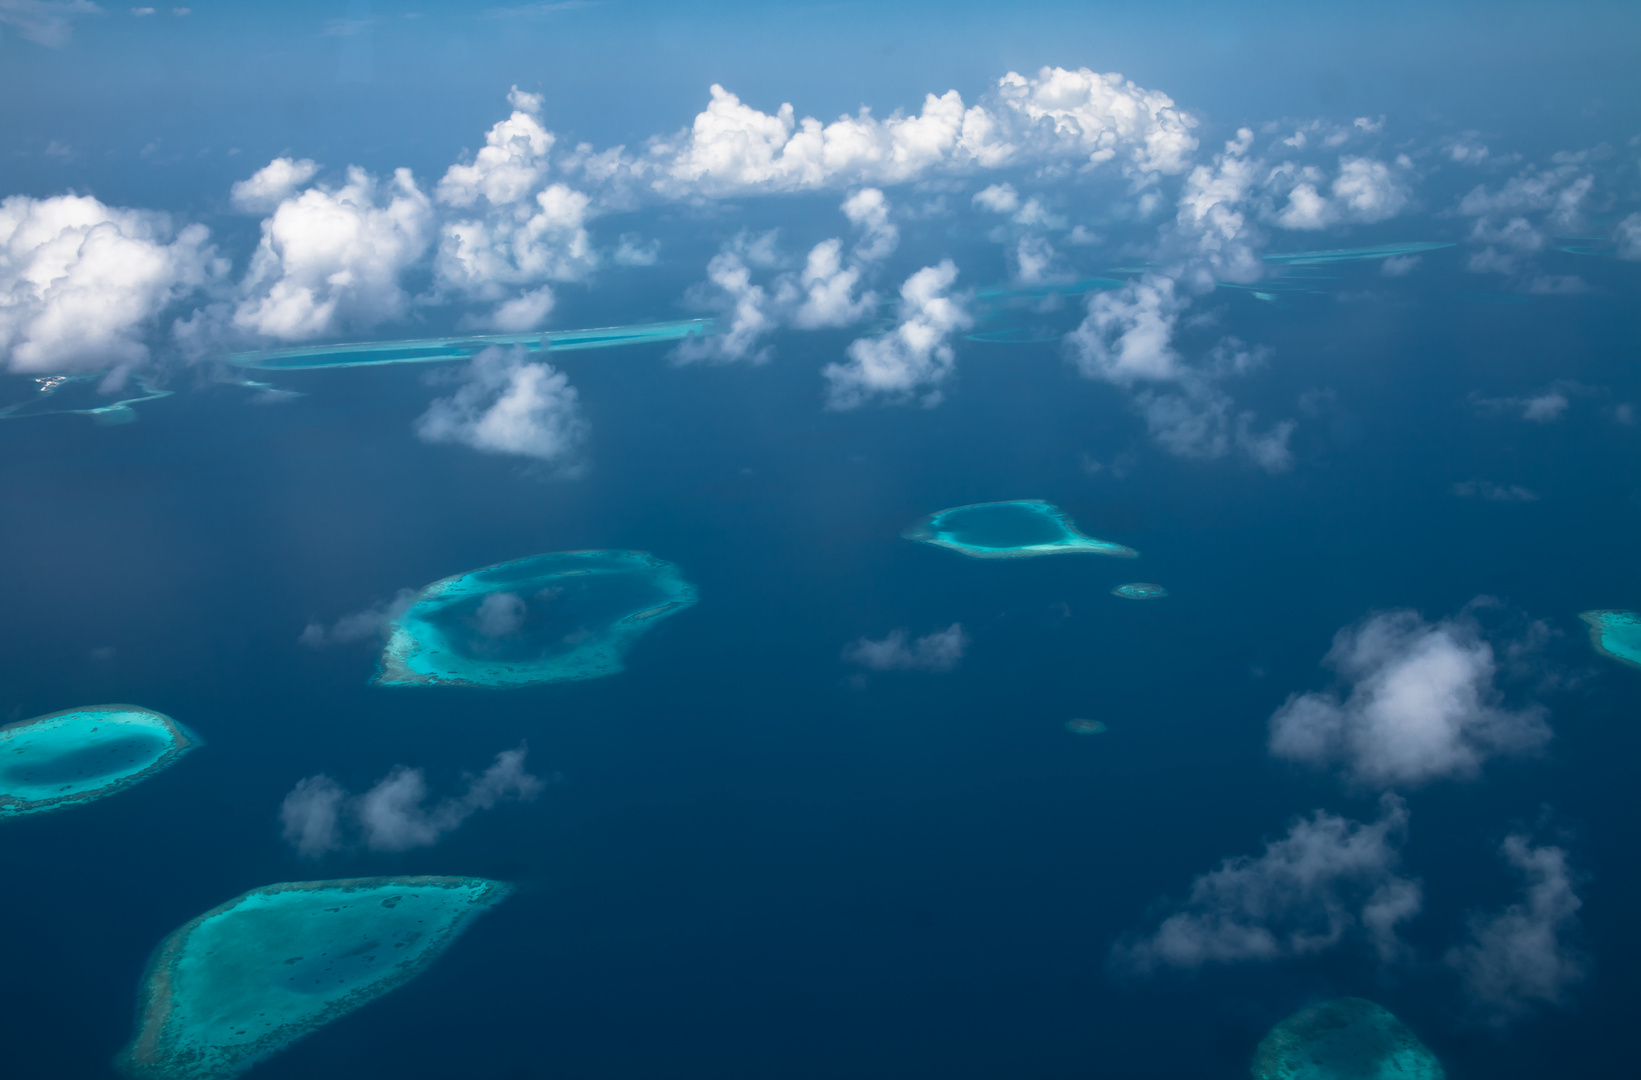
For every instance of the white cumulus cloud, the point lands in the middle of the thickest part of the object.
(914, 358)
(1128, 333)
(272, 184)
(508, 405)
(331, 259)
(1328, 878)
(1420, 704)
(81, 283)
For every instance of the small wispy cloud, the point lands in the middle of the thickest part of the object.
(319, 816)
(939, 651)
(367, 625)
(46, 22)
(1491, 492)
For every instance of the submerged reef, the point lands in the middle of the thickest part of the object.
(1361, 254)
(246, 979)
(78, 755)
(1344, 1039)
(438, 350)
(547, 618)
(79, 395)
(1140, 590)
(1616, 634)
(1086, 727)
(1010, 530)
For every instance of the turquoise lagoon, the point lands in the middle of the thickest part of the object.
(78, 755)
(1344, 1039)
(1140, 590)
(547, 618)
(1018, 529)
(246, 979)
(440, 350)
(1616, 634)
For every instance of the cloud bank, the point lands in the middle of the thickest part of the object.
(1327, 879)
(1419, 703)
(913, 359)
(319, 816)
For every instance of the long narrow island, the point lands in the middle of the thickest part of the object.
(246, 979)
(79, 755)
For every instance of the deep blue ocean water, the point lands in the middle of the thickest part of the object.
(746, 865)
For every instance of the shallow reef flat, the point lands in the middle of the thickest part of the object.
(79, 395)
(66, 758)
(1140, 590)
(548, 618)
(439, 350)
(1361, 254)
(1616, 634)
(1019, 529)
(1343, 1039)
(246, 979)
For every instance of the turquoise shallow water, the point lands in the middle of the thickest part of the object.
(78, 394)
(248, 978)
(438, 350)
(1338, 255)
(548, 618)
(1017, 529)
(1140, 590)
(1616, 634)
(78, 755)
(1345, 1039)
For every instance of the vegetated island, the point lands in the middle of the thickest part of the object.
(1018, 529)
(246, 979)
(1343, 1039)
(1140, 590)
(1616, 634)
(547, 618)
(75, 756)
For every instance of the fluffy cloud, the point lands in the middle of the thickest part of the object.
(1365, 191)
(1520, 957)
(1213, 234)
(81, 282)
(507, 405)
(368, 625)
(750, 311)
(1514, 221)
(868, 211)
(1421, 705)
(1329, 877)
(319, 816)
(1128, 334)
(1127, 338)
(272, 184)
(828, 286)
(1199, 422)
(915, 357)
(512, 162)
(332, 259)
(939, 651)
(1058, 116)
